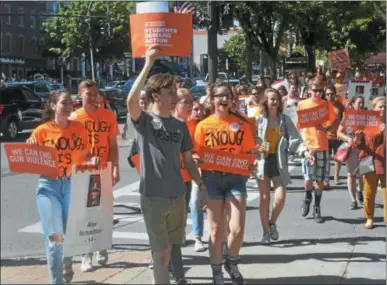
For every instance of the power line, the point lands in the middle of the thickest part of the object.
(52, 15)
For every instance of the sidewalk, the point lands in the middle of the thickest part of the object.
(309, 261)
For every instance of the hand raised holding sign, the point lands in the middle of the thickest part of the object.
(152, 54)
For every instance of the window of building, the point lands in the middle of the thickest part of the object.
(34, 46)
(41, 45)
(7, 43)
(21, 44)
(20, 16)
(7, 10)
(33, 19)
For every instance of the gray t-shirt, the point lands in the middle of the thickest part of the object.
(160, 142)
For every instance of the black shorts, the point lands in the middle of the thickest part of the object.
(334, 145)
(271, 167)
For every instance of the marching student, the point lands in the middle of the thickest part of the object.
(374, 145)
(352, 163)
(53, 195)
(161, 139)
(102, 131)
(316, 140)
(225, 190)
(279, 132)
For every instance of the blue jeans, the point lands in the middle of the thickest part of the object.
(53, 202)
(196, 211)
(222, 186)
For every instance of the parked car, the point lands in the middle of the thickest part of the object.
(115, 99)
(115, 84)
(41, 87)
(20, 109)
(198, 91)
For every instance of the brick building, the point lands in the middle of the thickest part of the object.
(22, 38)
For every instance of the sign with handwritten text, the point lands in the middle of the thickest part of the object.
(362, 120)
(222, 161)
(32, 159)
(313, 116)
(89, 224)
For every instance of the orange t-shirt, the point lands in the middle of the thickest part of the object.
(100, 125)
(231, 134)
(315, 139)
(191, 124)
(72, 143)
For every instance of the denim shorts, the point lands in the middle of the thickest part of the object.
(221, 185)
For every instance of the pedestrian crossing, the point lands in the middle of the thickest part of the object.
(129, 227)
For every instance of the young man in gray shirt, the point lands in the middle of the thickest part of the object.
(161, 139)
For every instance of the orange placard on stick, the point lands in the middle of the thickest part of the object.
(172, 32)
(313, 116)
(339, 59)
(32, 159)
(222, 161)
(362, 120)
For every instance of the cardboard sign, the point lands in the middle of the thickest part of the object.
(222, 161)
(89, 224)
(362, 120)
(172, 32)
(339, 60)
(362, 88)
(32, 159)
(313, 116)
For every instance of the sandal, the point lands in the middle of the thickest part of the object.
(68, 273)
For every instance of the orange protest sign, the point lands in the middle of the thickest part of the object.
(172, 32)
(313, 116)
(229, 162)
(362, 120)
(339, 59)
(32, 159)
(136, 161)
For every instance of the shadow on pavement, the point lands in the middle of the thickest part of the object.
(364, 240)
(316, 279)
(133, 246)
(21, 138)
(352, 221)
(23, 262)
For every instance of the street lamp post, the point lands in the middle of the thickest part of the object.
(90, 42)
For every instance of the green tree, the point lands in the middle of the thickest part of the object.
(236, 48)
(70, 31)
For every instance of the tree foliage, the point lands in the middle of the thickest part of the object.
(69, 31)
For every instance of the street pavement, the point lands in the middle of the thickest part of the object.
(339, 251)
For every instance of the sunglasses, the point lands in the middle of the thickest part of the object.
(227, 96)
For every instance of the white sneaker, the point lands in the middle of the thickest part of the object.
(273, 232)
(102, 257)
(199, 247)
(266, 238)
(86, 265)
(184, 241)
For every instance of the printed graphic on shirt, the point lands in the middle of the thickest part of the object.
(70, 144)
(100, 126)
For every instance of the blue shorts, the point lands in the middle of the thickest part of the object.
(222, 186)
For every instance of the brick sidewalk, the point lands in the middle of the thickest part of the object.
(121, 269)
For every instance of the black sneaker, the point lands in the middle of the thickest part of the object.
(224, 252)
(305, 207)
(217, 279)
(353, 205)
(231, 266)
(360, 197)
(317, 214)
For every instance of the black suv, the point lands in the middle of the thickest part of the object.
(20, 109)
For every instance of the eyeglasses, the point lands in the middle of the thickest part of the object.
(227, 96)
(186, 103)
(317, 90)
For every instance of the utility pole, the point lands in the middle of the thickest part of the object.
(213, 42)
(90, 42)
